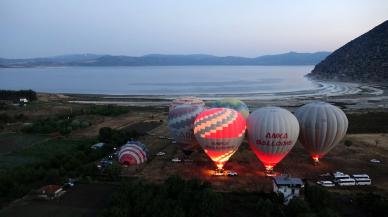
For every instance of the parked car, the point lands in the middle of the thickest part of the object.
(160, 153)
(326, 183)
(375, 161)
(231, 173)
(176, 160)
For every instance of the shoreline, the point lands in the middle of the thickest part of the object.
(352, 97)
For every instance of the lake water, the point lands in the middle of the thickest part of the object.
(206, 81)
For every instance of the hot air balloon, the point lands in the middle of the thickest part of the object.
(133, 153)
(322, 126)
(220, 132)
(272, 133)
(190, 100)
(232, 103)
(181, 124)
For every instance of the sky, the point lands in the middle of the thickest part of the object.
(247, 28)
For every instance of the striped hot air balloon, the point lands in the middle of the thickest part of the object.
(220, 132)
(133, 153)
(181, 125)
(272, 133)
(322, 127)
(187, 100)
(232, 103)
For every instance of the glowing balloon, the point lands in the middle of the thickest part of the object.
(272, 133)
(181, 125)
(232, 103)
(187, 100)
(322, 126)
(220, 132)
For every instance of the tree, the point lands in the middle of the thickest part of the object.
(113, 171)
(297, 207)
(264, 207)
(317, 197)
(105, 134)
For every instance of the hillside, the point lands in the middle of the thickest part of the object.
(362, 59)
(291, 58)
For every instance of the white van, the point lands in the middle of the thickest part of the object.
(357, 176)
(346, 182)
(362, 179)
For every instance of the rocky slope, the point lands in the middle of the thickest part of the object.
(363, 59)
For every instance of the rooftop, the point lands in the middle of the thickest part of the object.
(286, 180)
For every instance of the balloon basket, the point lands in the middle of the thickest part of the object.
(269, 171)
(316, 161)
(218, 172)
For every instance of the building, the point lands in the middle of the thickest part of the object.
(50, 192)
(287, 186)
(23, 100)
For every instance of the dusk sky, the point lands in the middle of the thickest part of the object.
(219, 27)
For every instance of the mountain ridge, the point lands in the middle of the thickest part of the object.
(290, 58)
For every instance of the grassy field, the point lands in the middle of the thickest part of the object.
(21, 149)
(38, 151)
(368, 122)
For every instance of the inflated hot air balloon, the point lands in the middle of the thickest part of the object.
(133, 153)
(322, 126)
(220, 132)
(272, 133)
(181, 125)
(189, 100)
(232, 103)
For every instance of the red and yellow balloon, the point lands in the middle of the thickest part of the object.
(220, 132)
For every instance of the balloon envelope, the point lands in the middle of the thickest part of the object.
(220, 132)
(133, 153)
(187, 100)
(322, 126)
(232, 103)
(272, 133)
(181, 125)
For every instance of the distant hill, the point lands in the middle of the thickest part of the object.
(47, 61)
(291, 58)
(362, 59)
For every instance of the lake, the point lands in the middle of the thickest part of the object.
(205, 81)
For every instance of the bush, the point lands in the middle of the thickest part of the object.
(106, 110)
(175, 197)
(63, 125)
(348, 143)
